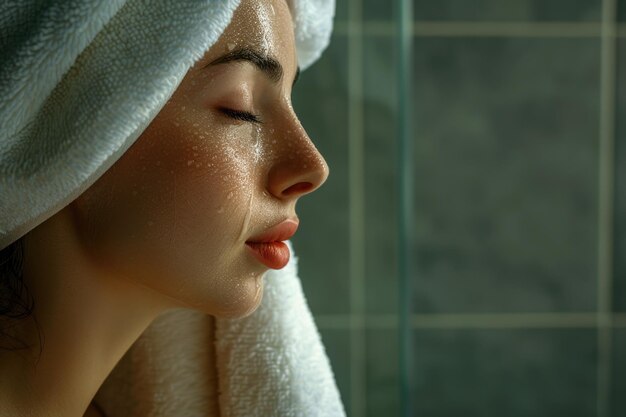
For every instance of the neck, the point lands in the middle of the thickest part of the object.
(87, 320)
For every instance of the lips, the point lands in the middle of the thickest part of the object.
(269, 247)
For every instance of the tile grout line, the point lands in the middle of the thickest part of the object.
(487, 29)
(405, 213)
(605, 204)
(574, 321)
(356, 197)
(490, 29)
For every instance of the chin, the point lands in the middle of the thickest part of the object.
(242, 306)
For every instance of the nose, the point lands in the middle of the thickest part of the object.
(299, 168)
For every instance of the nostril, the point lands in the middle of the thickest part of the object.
(299, 188)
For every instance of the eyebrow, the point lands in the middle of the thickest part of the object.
(267, 64)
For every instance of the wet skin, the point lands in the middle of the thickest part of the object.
(166, 225)
(224, 160)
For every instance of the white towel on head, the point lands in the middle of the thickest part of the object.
(313, 28)
(81, 79)
(79, 82)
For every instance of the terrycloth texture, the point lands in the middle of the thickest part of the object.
(313, 28)
(271, 363)
(81, 79)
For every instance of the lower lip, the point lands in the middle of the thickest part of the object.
(274, 255)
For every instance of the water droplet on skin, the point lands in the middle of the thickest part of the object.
(230, 195)
(231, 46)
(189, 162)
(257, 144)
(176, 124)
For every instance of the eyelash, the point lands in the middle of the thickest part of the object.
(240, 115)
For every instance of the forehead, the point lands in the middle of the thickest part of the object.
(263, 25)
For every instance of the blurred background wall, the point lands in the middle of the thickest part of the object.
(517, 275)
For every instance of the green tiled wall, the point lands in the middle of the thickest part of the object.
(509, 10)
(378, 10)
(619, 293)
(382, 373)
(506, 174)
(516, 311)
(502, 372)
(381, 174)
(618, 381)
(621, 11)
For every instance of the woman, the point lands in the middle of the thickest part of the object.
(191, 215)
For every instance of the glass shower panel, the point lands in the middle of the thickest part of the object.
(457, 261)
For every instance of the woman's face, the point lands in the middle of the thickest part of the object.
(225, 160)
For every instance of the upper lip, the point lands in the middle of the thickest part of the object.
(282, 231)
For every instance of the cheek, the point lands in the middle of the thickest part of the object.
(170, 214)
(209, 176)
(179, 186)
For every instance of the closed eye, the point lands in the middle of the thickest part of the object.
(240, 115)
